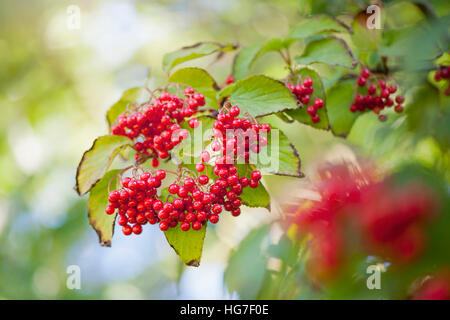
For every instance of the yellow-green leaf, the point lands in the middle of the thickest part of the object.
(96, 161)
(102, 223)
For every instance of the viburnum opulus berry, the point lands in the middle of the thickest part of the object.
(374, 95)
(389, 221)
(443, 74)
(304, 92)
(155, 126)
(135, 201)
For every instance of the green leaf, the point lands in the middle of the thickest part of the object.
(330, 50)
(339, 99)
(300, 114)
(132, 95)
(195, 51)
(200, 81)
(96, 161)
(280, 156)
(313, 26)
(247, 56)
(247, 265)
(102, 223)
(244, 60)
(260, 95)
(187, 244)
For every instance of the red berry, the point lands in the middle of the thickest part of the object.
(361, 81)
(315, 118)
(110, 209)
(126, 229)
(236, 212)
(217, 208)
(308, 82)
(196, 225)
(365, 73)
(311, 110)
(203, 179)
(214, 218)
(399, 99)
(234, 111)
(256, 175)
(185, 226)
(398, 108)
(173, 188)
(229, 80)
(318, 103)
(194, 123)
(163, 226)
(137, 229)
(199, 167)
(160, 174)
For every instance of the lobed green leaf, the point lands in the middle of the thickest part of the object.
(96, 161)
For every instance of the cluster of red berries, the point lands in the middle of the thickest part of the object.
(443, 74)
(237, 137)
(155, 127)
(303, 92)
(390, 221)
(193, 201)
(376, 97)
(135, 201)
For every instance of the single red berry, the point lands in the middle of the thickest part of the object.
(189, 184)
(362, 81)
(229, 80)
(214, 218)
(399, 99)
(194, 123)
(199, 167)
(315, 118)
(318, 103)
(365, 73)
(392, 88)
(137, 229)
(160, 174)
(196, 225)
(382, 84)
(163, 226)
(308, 82)
(126, 229)
(254, 183)
(110, 209)
(217, 208)
(398, 108)
(185, 226)
(173, 188)
(188, 91)
(256, 175)
(203, 179)
(311, 110)
(371, 89)
(236, 212)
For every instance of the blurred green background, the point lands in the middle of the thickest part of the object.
(56, 83)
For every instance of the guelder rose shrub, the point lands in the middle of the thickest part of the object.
(184, 155)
